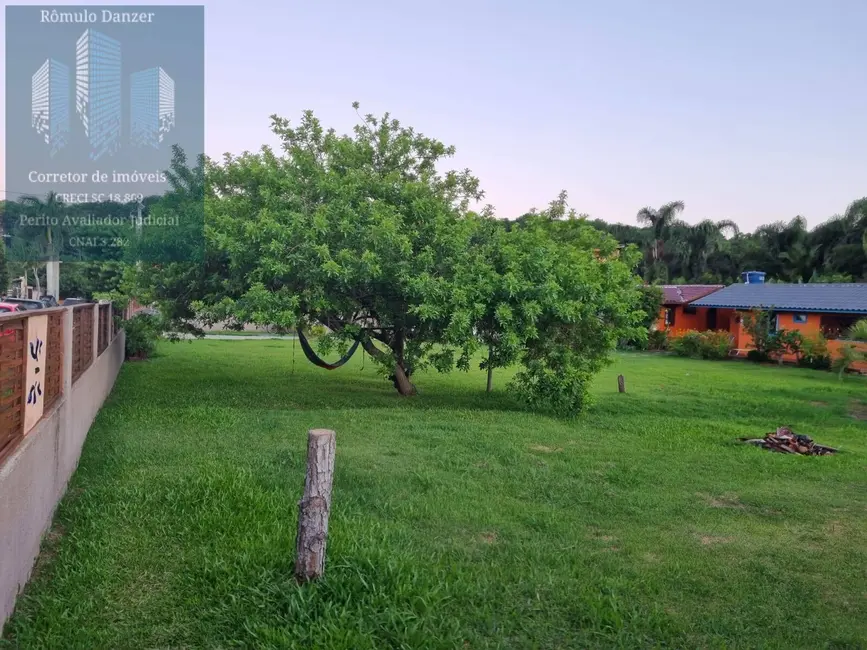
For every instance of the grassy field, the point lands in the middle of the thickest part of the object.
(458, 520)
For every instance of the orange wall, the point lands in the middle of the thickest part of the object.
(732, 321)
(786, 321)
(834, 346)
(684, 321)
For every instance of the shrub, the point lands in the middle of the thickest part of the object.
(702, 345)
(785, 342)
(858, 332)
(142, 333)
(716, 345)
(814, 352)
(688, 344)
(657, 340)
(766, 344)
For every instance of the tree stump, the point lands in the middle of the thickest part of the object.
(315, 505)
(621, 384)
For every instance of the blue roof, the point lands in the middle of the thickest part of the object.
(848, 298)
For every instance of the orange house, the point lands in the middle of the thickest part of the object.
(829, 309)
(677, 312)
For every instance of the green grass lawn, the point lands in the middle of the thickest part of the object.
(458, 520)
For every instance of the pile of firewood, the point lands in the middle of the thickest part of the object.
(788, 442)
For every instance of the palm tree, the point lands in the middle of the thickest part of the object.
(51, 209)
(660, 221)
(697, 243)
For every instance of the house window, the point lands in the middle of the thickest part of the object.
(799, 318)
(689, 309)
(669, 316)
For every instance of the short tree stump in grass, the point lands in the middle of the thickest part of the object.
(314, 507)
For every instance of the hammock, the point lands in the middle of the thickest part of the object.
(313, 358)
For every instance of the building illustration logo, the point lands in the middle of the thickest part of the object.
(152, 107)
(97, 91)
(50, 104)
(98, 105)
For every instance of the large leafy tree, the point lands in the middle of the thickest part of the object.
(359, 232)
(364, 234)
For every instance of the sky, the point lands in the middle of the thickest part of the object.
(744, 110)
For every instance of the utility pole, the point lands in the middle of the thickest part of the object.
(52, 269)
(52, 277)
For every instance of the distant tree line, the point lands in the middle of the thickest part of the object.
(716, 252)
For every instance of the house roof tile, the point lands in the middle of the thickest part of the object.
(850, 298)
(680, 294)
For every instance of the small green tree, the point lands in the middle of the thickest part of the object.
(858, 332)
(757, 323)
(847, 355)
(555, 296)
(767, 344)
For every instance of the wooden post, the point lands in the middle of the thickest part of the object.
(315, 505)
(621, 384)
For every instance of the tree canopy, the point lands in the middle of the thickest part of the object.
(365, 234)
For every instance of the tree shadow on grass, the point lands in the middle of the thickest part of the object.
(225, 382)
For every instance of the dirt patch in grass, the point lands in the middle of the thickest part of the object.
(488, 538)
(724, 501)
(817, 403)
(713, 540)
(547, 450)
(733, 502)
(834, 528)
(858, 410)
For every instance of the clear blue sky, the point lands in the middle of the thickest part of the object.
(749, 110)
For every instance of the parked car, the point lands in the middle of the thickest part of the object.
(9, 308)
(48, 301)
(69, 302)
(24, 303)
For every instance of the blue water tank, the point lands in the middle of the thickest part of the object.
(753, 277)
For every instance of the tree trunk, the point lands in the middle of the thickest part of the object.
(400, 376)
(490, 370)
(404, 386)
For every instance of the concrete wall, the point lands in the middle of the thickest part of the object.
(34, 478)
